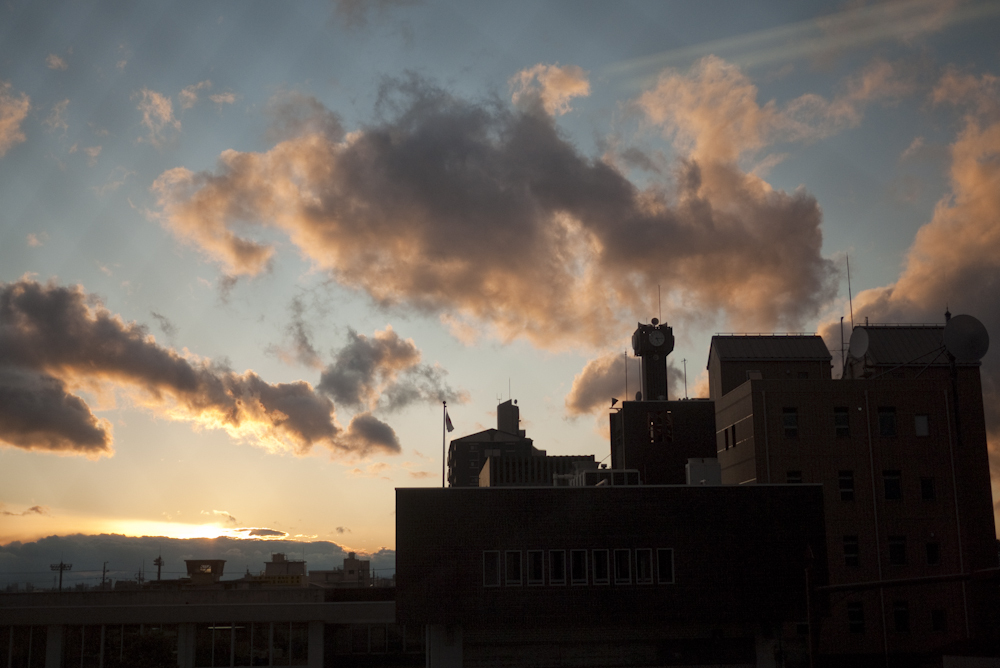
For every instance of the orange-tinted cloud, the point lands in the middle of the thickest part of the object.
(189, 96)
(552, 86)
(13, 110)
(157, 116)
(604, 377)
(486, 214)
(53, 338)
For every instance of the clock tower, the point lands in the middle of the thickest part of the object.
(652, 343)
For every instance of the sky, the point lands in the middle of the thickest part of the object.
(248, 249)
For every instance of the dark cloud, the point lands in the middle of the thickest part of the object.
(264, 532)
(604, 377)
(486, 214)
(293, 114)
(383, 371)
(54, 337)
(301, 349)
(34, 510)
(341, 530)
(168, 328)
(29, 562)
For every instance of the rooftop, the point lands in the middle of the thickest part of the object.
(769, 346)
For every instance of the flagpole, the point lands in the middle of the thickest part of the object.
(444, 431)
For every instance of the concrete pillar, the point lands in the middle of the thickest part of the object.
(315, 644)
(185, 645)
(54, 645)
(444, 646)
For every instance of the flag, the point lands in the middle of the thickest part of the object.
(447, 421)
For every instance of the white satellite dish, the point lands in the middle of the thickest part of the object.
(966, 338)
(859, 343)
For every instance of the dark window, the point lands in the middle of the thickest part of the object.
(793, 477)
(841, 422)
(491, 569)
(536, 566)
(921, 425)
(851, 552)
(474, 464)
(886, 421)
(855, 617)
(578, 566)
(623, 567)
(897, 550)
(803, 374)
(847, 485)
(790, 422)
(557, 567)
(513, 570)
(927, 489)
(665, 565)
(601, 575)
(732, 434)
(939, 622)
(901, 616)
(933, 553)
(893, 485)
(660, 426)
(725, 435)
(644, 566)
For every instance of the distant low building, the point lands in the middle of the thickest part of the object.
(355, 573)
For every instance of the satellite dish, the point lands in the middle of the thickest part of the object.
(966, 338)
(859, 343)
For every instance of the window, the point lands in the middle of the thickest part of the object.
(892, 483)
(474, 464)
(536, 564)
(725, 435)
(897, 550)
(847, 485)
(851, 552)
(513, 569)
(601, 574)
(665, 565)
(855, 617)
(578, 566)
(921, 425)
(887, 421)
(939, 622)
(491, 569)
(901, 616)
(927, 489)
(933, 553)
(793, 477)
(623, 567)
(644, 566)
(557, 567)
(802, 374)
(841, 422)
(790, 422)
(660, 426)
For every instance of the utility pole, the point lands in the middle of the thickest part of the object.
(158, 562)
(104, 573)
(61, 567)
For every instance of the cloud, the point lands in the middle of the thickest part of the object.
(341, 530)
(189, 96)
(293, 114)
(157, 116)
(551, 85)
(226, 517)
(223, 98)
(54, 339)
(54, 62)
(421, 475)
(354, 13)
(116, 179)
(915, 146)
(265, 533)
(955, 259)
(13, 110)
(302, 350)
(34, 510)
(486, 214)
(601, 379)
(383, 371)
(168, 328)
(92, 153)
(56, 120)
(37, 240)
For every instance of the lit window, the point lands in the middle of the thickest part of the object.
(644, 566)
(790, 422)
(513, 570)
(623, 567)
(536, 561)
(921, 425)
(886, 421)
(897, 550)
(847, 485)
(665, 565)
(841, 422)
(893, 484)
(578, 566)
(601, 574)
(557, 567)
(491, 569)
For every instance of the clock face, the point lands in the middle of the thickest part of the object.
(656, 337)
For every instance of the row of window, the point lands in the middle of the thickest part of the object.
(900, 618)
(892, 484)
(842, 422)
(897, 552)
(578, 567)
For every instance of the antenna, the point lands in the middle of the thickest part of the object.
(685, 377)
(850, 297)
(508, 388)
(659, 308)
(626, 374)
